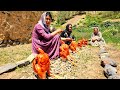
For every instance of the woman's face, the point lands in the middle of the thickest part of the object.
(95, 31)
(48, 20)
(70, 27)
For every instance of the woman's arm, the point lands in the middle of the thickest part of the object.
(66, 39)
(56, 32)
(45, 35)
(100, 34)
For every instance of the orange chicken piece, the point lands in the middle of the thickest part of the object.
(41, 64)
(73, 46)
(64, 50)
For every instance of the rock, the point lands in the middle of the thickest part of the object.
(18, 24)
(109, 70)
(22, 63)
(17, 42)
(1, 41)
(10, 42)
(26, 61)
(7, 67)
(30, 58)
(109, 61)
(102, 50)
(114, 77)
(5, 41)
(104, 55)
(3, 45)
(8, 45)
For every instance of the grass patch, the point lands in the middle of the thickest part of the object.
(14, 53)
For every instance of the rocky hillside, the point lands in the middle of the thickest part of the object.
(16, 26)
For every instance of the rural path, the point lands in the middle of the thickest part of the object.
(74, 20)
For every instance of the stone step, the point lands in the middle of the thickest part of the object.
(7, 67)
(12, 66)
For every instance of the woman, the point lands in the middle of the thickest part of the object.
(96, 37)
(66, 34)
(41, 37)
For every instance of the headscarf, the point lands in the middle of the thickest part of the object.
(42, 22)
(67, 29)
(97, 29)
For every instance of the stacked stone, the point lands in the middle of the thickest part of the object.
(108, 64)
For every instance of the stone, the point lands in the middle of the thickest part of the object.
(102, 50)
(10, 42)
(22, 63)
(25, 62)
(114, 77)
(104, 55)
(30, 58)
(3, 45)
(7, 67)
(1, 41)
(109, 61)
(17, 25)
(109, 70)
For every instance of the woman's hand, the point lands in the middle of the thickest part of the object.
(59, 30)
(67, 39)
(56, 32)
(95, 38)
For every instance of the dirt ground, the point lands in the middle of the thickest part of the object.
(88, 67)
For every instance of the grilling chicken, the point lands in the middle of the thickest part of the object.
(41, 64)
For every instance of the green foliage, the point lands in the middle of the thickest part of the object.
(82, 32)
(112, 33)
(111, 14)
(91, 21)
(110, 30)
(61, 19)
(65, 15)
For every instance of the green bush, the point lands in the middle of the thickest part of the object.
(92, 21)
(65, 15)
(111, 14)
(110, 30)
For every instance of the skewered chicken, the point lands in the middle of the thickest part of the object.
(41, 64)
(65, 54)
(73, 46)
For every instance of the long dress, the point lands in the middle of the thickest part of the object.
(100, 39)
(50, 44)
